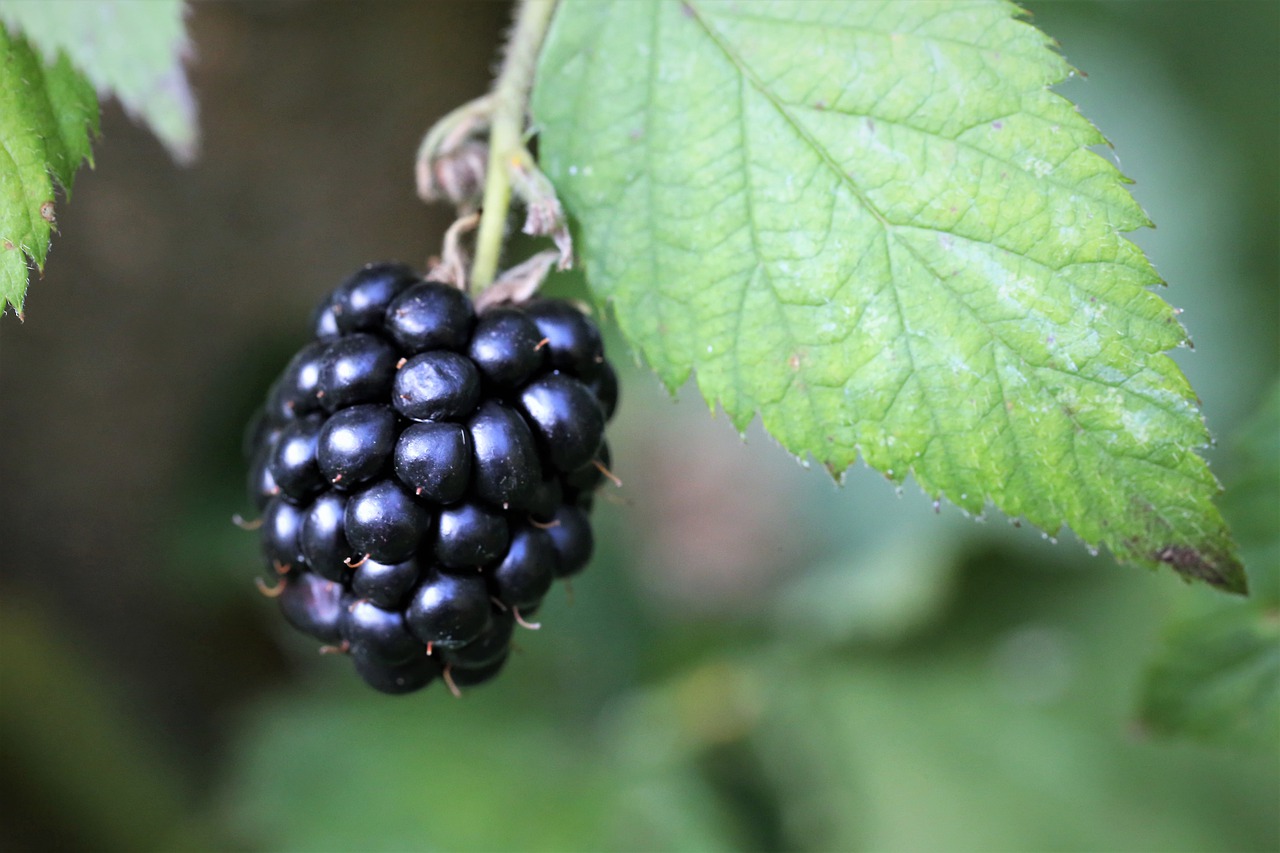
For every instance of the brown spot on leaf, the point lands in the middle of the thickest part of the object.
(9, 246)
(46, 212)
(1191, 563)
(794, 361)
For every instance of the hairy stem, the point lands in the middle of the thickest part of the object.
(510, 106)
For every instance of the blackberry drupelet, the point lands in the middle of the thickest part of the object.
(425, 473)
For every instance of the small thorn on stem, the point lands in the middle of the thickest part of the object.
(418, 491)
(269, 591)
(341, 649)
(613, 478)
(281, 568)
(522, 622)
(542, 343)
(401, 363)
(239, 521)
(358, 563)
(448, 679)
(544, 525)
(430, 648)
(337, 479)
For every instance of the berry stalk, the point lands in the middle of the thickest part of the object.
(510, 106)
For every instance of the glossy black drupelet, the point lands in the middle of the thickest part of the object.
(434, 460)
(355, 445)
(424, 473)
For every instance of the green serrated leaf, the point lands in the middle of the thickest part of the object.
(873, 225)
(128, 49)
(47, 113)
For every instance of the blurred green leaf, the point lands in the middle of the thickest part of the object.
(341, 768)
(881, 593)
(47, 113)
(129, 49)
(931, 757)
(901, 246)
(1217, 677)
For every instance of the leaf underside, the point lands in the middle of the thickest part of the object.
(874, 226)
(47, 115)
(127, 49)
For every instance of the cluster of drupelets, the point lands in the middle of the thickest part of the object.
(424, 473)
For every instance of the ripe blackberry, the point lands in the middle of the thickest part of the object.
(360, 303)
(381, 631)
(491, 646)
(293, 463)
(393, 678)
(281, 524)
(505, 347)
(434, 460)
(424, 473)
(436, 386)
(528, 569)
(385, 584)
(506, 470)
(571, 537)
(355, 445)
(322, 538)
(573, 341)
(385, 522)
(470, 536)
(356, 369)
(295, 392)
(449, 611)
(431, 315)
(566, 418)
(313, 605)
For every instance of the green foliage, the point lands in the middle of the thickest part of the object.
(899, 247)
(1002, 727)
(1218, 675)
(47, 113)
(131, 50)
(52, 57)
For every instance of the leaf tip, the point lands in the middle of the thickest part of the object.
(1218, 570)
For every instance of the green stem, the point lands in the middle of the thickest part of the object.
(510, 106)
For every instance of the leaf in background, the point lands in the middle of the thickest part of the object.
(353, 770)
(1218, 675)
(47, 113)
(874, 225)
(131, 50)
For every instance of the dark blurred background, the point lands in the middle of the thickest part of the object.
(756, 659)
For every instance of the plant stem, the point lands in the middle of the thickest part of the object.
(510, 105)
